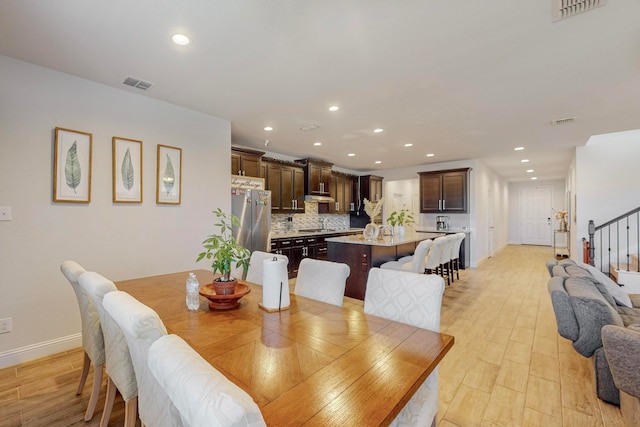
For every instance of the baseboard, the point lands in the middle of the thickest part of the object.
(42, 349)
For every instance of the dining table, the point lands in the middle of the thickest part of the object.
(311, 364)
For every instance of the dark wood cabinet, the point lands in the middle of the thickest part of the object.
(370, 189)
(444, 191)
(246, 162)
(318, 176)
(342, 192)
(285, 180)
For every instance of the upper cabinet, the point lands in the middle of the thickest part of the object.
(246, 162)
(444, 191)
(285, 180)
(342, 192)
(370, 189)
(318, 176)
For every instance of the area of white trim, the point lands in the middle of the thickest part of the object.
(42, 349)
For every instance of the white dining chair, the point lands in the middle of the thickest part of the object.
(434, 256)
(322, 280)
(416, 300)
(256, 265)
(455, 254)
(119, 369)
(203, 395)
(412, 263)
(445, 257)
(141, 327)
(92, 339)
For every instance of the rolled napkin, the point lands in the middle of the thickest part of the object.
(275, 285)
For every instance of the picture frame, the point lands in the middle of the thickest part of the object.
(127, 170)
(169, 175)
(72, 166)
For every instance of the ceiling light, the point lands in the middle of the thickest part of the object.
(534, 177)
(180, 39)
(334, 108)
(430, 155)
(318, 143)
(529, 170)
(378, 130)
(408, 145)
(351, 154)
(524, 161)
(378, 162)
(268, 128)
(307, 128)
(518, 148)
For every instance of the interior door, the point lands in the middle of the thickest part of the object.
(535, 215)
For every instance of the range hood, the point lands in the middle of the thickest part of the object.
(318, 199)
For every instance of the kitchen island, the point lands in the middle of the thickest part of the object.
(361, 255)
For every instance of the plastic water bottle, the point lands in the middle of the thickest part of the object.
(193, 288)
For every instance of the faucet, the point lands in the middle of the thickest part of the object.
(322, 224)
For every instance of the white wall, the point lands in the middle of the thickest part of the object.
(117, 240)
(558, 203)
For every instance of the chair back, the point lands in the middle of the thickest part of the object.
(92, 339)
(445, 254)
(256, 269)
(118, 361)
(434, 256)
(322, 280)
(141, 327)
(455, 247)
(419, 256)
(202, 395)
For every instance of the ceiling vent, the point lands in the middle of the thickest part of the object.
(563, 9)
(307, 128)
(137, 83)
(561, 122)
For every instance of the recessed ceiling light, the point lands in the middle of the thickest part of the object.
(180, 39)
(408, 145)
(378, 162)
(318, 143)
(334, 108)
(529, 170)
(378, 130)
(524, 161)
(351, 154)
(268, 128)
(519, 148)
(534, 177)
(430, 155)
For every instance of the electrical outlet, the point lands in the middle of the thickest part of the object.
(5, 325)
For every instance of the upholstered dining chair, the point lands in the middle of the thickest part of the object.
(203, 396)
(92, 340)
(413, 299)
(120, 374)
(256, 266)
(622, 350)
(445, 257)
(434, 256)
(322, 280)
(412, 263)
(455, 254)
(141, 327)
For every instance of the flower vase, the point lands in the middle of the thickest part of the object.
(371, 231)
(563, 224)
(400, 230)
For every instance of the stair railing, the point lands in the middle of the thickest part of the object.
(615, 240)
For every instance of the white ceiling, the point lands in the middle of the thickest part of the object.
(460, 79)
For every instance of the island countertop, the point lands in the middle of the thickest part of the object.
(394, 240)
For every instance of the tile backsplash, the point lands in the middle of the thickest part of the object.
(309, 219)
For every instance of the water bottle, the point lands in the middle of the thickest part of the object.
(193, 288)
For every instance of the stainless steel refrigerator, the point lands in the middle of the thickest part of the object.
(253, 209)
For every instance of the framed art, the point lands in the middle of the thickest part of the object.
(127, 170)
(72, 166)
(169, 175)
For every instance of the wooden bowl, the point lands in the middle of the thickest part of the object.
(224, 302)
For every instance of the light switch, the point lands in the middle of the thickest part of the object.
(5, 213)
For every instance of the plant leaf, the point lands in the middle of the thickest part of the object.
(169, 177)
(127, 171)
(72, 171)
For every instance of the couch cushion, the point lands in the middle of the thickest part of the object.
(559, 271)
(550, 263)
(566, 262)
(635, 300)
(566, 320)
(621, 297)
(629, 316)
(575, 271)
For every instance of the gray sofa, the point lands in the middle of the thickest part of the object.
(584, 300)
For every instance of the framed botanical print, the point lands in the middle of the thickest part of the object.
(169, 175)
(72, 166)
(127, 170)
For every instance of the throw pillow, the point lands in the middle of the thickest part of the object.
(621, 297)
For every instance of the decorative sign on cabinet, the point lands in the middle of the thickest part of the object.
(444, 191)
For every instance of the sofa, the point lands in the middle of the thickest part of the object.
(584, 301)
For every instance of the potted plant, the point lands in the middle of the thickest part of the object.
(224, 251)
(399, 219)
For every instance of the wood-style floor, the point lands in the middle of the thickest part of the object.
(509, 367)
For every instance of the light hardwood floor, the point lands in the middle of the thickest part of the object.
(508, 367)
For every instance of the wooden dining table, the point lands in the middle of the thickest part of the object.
(313, 364)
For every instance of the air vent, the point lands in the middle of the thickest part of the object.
(563, 9)
(307, 128)
(137, 83)
(560, 122)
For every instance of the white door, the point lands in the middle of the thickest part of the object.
(535, 215)
(490, 225)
